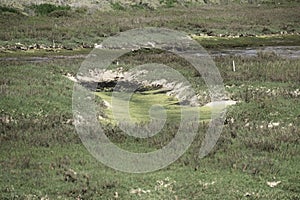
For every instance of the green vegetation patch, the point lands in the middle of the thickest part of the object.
(168, 3)
(250, 41)
(117, 6)
(141, 103)
(46, 8)
(8, 9)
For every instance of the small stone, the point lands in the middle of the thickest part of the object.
(273, 183)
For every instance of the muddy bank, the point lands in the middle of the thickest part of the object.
(288, 52)
(42, 58)
(136, 80)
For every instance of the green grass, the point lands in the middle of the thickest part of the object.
(250, 41)
(193, 19)
(141, 103)
(40, 148)
(94, 181)
(117, 6)
(46, 8)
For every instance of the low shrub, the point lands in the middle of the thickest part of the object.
(46, 9)
(8, 9)
(168, 3)
(142, 5)
(117, 6)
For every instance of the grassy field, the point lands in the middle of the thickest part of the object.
(79, 28)
(42, 156)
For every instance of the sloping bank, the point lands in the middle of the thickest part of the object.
(142, 91)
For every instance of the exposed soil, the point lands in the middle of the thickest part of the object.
(290, 52)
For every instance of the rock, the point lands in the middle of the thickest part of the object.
(70, 175)
(273, 183)
(71, 77)
(224, 103)
(6, 119)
